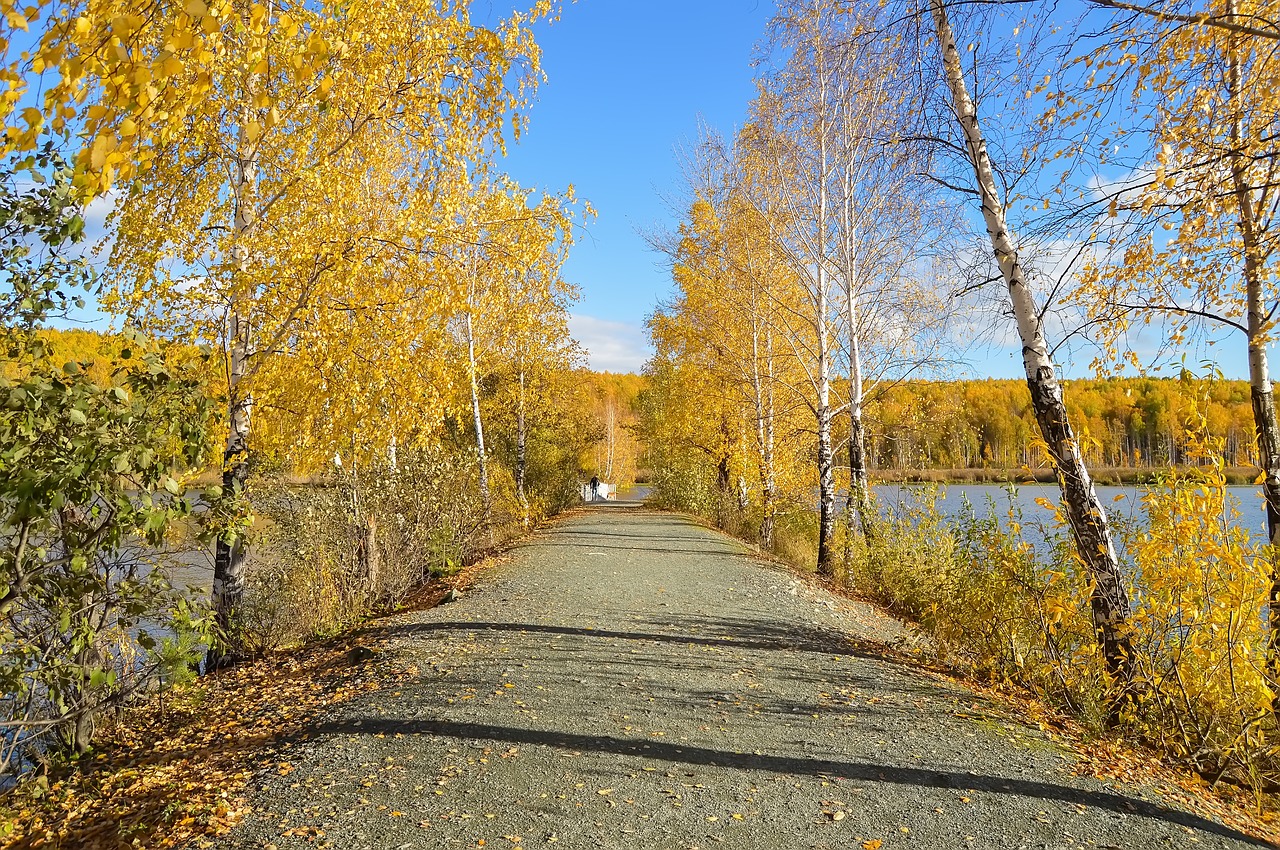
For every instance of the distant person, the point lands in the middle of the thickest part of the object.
(595, 487)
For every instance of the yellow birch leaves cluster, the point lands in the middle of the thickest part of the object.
(305, 174)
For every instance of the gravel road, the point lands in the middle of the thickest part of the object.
(630, 679)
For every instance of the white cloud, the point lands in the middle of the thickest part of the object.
(98, 237)
(611, 346)
(1125, 187)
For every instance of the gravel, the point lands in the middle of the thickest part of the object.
(630, 679)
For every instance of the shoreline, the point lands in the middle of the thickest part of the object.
(1107, 476)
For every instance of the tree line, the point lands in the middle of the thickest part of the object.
(1124, 423)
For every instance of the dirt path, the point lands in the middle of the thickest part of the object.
(632, 680)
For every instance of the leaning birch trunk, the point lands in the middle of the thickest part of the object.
(764, 440)
(479, 422)
(1260, 388)
(612, 443)
(1088, 520)
(521, 449)
(858, 501)
(770, 441)
(826, 465)
(230, 553)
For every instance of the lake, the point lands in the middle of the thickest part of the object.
(1247, 499)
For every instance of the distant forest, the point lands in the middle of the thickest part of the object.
(1122, 423)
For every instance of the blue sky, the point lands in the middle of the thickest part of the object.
(628, 81)
(628, 84)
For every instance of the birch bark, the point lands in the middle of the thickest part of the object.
(1258, 327)
(521, 447)
(475, 414)
(826, 468)
(1087, 518)
(230, 555)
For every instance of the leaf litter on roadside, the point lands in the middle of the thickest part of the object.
(162, 779)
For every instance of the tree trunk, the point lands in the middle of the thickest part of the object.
(826, 468)
(79, 731)
(826, 485)
(1088, 520)
(521, 450)
(611, 444)
(858, 501)
(764, 432)
(1261, 391)
(368, 560)
(230, 554)
(479, 422)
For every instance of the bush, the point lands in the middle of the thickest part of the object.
(328, 555)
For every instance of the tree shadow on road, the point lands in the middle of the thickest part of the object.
(850, 770)
(747, 634)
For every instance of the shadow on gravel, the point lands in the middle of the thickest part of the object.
(557, 534)
(710, 548)
(856, 771)
(747, 635)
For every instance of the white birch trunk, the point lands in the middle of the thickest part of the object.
(230, 556)
(476, 417)
(826, 469)
(521, 447)
(858, 501)
(1261, 391)
(764, 437)
(1088, 520)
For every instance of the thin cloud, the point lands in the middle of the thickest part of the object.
(611, 346)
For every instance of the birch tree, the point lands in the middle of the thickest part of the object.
(242, 228)
(1191, 232)
(795, 118)
(730, 279)
(1084, 511)
(846, 211)
(506, 261)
